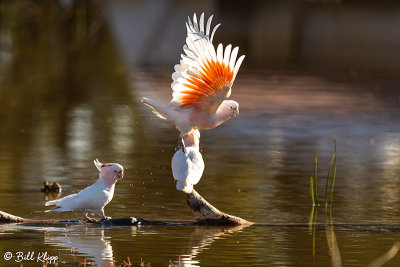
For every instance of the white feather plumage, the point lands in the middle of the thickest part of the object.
(95, 197)
(188, 165)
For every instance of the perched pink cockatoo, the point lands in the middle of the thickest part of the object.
(93, 198)
(188, 164)
(201, 82)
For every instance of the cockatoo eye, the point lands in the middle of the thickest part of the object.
(231, 107)
(115, 171)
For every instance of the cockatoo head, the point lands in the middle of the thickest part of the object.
(110, 173)
(228, 109)
(192, 138)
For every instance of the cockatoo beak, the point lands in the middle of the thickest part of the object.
(120, 175)
(235, 112)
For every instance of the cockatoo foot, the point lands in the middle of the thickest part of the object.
(105, 218)
(89, 220)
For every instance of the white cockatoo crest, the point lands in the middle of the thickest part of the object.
(99, 165)
(204, 77)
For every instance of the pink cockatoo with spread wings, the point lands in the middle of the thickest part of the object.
(202, 82)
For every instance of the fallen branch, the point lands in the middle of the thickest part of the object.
(128, 221)
(8, 218)
(206, 214)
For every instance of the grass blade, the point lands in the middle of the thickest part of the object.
(334, 175)
(311, 220)
(327, 180)
(312, 190)
(314, 232)
(315, 179)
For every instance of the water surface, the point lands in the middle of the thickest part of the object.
(257, 167)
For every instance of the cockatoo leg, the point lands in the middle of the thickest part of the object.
(180, 145)
(104, 217)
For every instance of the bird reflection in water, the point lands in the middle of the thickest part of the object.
(200, 239)
(89, 242)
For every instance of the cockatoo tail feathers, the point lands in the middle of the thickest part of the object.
(50, 203)
(157, 108)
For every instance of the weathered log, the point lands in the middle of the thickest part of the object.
(206, 214)
(8, 218)
(128, 221)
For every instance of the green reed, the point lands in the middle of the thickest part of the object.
(334, 175)
(312, 190)
(315, 180)
(329, 181)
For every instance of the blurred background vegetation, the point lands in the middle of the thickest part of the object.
(331, 34)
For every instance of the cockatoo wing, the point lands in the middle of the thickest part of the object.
(179, 165)
(90, 198)
(60, 200)
(67, 203)
(204, 77)
(196, 167)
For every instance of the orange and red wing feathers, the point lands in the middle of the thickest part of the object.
(211, 79)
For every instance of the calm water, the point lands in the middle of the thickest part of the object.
(257, 167)
(63, 106)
